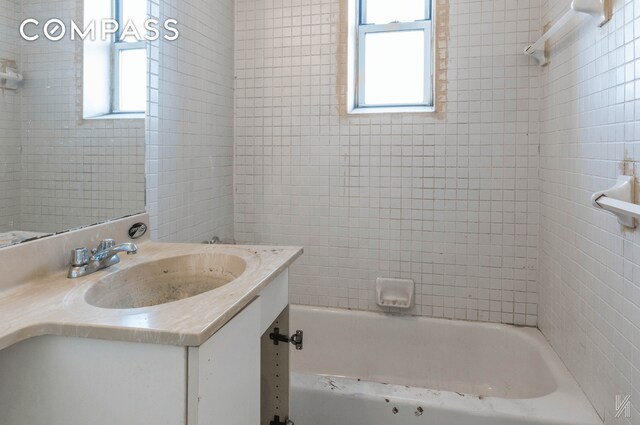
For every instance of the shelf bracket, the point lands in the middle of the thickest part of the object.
(599, 9)
(618, 200)
(539, 55)
(9, 77)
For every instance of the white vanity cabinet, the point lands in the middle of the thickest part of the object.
(53, 380)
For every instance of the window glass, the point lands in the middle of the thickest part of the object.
(134, 11)
(394, 68)
(133, 80)
(385, 11)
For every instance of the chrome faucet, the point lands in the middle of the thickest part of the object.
(84, 262)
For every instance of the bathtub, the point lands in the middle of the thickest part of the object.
(360, 368)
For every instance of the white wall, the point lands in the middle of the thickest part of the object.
(450, 202)
(190, 128)
(589, 265)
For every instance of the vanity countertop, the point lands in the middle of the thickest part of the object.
(55, 305)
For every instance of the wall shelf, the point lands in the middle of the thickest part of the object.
(11, 76)
(10, 79)
(599, 9)
(619, 201)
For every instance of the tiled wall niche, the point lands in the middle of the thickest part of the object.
(450, 202)
(589, 265)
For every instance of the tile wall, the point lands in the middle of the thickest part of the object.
(449, 200)
(589, 265)
(190, 127)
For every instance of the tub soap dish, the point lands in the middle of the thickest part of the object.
(396, 293)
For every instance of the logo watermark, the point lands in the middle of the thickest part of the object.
(104, 30)
(623, 406)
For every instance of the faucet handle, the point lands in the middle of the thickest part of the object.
(106, 244)
(80, 257)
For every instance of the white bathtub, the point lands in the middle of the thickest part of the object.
(373, 369)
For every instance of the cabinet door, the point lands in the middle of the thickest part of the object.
(224, 373)
(57, 380)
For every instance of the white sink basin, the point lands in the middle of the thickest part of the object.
(164, 281)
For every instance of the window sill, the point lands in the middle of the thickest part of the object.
(392, 110)
(137, 116)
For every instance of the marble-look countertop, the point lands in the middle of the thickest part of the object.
(55, 305)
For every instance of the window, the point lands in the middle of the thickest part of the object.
(390, 56)
(129, 72)
(115, 67)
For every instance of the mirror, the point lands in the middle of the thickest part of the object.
(58, 169)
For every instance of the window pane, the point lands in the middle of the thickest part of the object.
(136, 12)
(385, 11)
(394, 68)
(133, 80)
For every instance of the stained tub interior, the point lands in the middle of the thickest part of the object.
(445, 355)
(361, 368)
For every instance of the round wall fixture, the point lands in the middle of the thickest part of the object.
(137, 230)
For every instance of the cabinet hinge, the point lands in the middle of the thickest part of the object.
(295, 339)
(276, 421)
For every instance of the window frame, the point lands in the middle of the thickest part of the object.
(118, 46)
(357, 103)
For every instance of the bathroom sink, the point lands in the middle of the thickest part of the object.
(164, 281)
